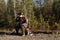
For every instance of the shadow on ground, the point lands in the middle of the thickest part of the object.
(10, 33)
(42, 32)
(20, 34)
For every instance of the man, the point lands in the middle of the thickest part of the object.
(22, 23)
(23, 20)
(18, 25)
(26, 29)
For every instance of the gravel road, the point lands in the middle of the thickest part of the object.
(34, 37)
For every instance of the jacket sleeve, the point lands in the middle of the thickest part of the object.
(17, 18)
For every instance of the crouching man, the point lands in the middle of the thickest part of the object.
(22, 23)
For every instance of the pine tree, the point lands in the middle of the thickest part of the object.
(23, 7)
(10, 11)
(17, 8)
(27, 9)
(2, 7)
(2, 13)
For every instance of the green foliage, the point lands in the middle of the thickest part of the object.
(10, 12)
(2, 14)
(46, 16)
(17, 6)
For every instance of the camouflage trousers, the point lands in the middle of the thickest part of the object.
(24, 26)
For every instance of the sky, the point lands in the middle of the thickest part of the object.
(42, 1)
(35, 1)
(5, 0)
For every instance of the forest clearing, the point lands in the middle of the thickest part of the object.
(43, 19)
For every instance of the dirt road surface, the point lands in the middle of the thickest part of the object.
(34, 37)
